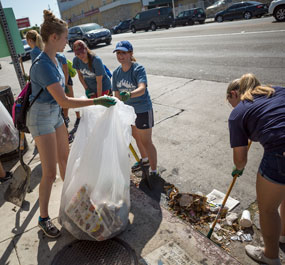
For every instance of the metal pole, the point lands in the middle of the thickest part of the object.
(173, 9)
(11, 47)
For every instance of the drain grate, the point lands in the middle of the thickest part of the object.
(109, 252)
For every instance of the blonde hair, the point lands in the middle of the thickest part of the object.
(248, 86)
(52, 25)
(233, 86)
(36, 38)
(133, 59)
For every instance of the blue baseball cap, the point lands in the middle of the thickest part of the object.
(124, 46)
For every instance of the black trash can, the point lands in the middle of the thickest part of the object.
(7, 99)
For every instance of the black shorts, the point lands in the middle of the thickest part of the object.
(145, 120)
(69, 81)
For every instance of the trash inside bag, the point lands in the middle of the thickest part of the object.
(9, 135)
(95, 198)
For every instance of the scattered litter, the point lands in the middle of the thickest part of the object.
(242, 237)
(231, 218)
(245, 220)
(216, 198)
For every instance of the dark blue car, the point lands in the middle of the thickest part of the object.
(123, 26)
(240, 10)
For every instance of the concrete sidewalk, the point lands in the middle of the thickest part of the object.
(151, 229)
(192, 140)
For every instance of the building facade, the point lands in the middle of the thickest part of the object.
(108, 13)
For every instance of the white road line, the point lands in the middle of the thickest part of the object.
(214, 35)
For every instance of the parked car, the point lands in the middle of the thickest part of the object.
(277, 9)
(123, 26)
(90, 33)
(27, 54)
(160, 17)
(219, 6)
(189, 17)
(245, 10)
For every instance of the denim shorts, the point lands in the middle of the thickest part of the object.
(44, 118)
(272, 166)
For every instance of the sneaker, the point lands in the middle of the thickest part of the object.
(257, 254)
(49, 228)
(8, 176)
(137, 166)
(152, 174)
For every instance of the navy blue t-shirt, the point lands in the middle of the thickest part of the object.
(261, 120)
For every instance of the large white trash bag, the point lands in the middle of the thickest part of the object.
(95, 199)
(9, 135)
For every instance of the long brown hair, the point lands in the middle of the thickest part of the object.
(51, 25)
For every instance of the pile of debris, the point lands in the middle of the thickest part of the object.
(192, 208)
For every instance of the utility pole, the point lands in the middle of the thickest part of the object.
(11, 47)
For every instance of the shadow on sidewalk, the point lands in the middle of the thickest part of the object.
(16, 238)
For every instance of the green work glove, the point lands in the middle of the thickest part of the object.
(237, 172)
(87, 92)
(125, 96)
(105, 101)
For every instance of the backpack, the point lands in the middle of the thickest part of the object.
(107, 71)
(71, 70)
(22, 105)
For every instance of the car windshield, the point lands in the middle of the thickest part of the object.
(90, 27)
(24, 41)
(254, 3)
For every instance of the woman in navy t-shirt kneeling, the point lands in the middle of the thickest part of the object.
(259, 115)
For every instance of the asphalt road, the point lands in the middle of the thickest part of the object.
(213, 51)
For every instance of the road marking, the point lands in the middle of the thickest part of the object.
(216, 35)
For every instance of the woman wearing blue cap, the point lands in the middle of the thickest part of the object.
(130, 85)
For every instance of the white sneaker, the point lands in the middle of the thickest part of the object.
(257, 254)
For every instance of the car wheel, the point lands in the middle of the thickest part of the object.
(219, 19)
(108, 42)
(247, 15)
(167, 27)
(133, 29)
(279, 14)
(71, 45)
(153, 26)
(190, 22)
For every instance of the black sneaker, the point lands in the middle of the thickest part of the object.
(49, 228)
(152, 174)
(8, 176)
(137, 166)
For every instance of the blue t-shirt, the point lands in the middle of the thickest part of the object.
(61, 58)
(35, 53)
(261, 120)
(128, 81)
(90, 76)
(44, 73)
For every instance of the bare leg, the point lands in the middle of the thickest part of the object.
(46, 145)
(282, 213)
(145, 143)
(62, 149)
(269, 198)
(2, 171)
(137, 137)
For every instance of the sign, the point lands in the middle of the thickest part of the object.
(23, 22)
(14, 31)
